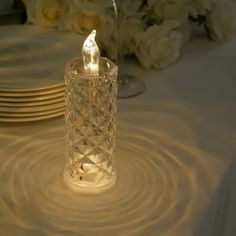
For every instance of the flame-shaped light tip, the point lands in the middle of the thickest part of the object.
(93, 34)
(91, 55)
(90, 41)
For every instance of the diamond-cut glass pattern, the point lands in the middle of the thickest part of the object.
(90, 125)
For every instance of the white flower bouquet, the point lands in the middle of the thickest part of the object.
(153, 30)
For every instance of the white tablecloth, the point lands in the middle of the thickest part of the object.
(176, 146)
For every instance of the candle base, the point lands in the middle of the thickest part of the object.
(89, 187)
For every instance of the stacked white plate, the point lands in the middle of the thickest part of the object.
(32, 62)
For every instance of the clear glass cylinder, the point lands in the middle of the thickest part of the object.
(90, 121)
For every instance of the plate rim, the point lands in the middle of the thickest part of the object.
(30, 109)
(30, 114)
(31, 103)
(27, 119)
(32, 98)
(30, 93)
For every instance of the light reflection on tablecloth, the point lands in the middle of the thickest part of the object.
(164, 181)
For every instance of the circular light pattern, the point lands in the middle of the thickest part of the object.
(162, 182)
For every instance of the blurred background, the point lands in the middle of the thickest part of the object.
(12, 12)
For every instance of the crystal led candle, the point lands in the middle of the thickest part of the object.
(91, 90)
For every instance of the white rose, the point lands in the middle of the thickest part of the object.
(131, 8)
(30, 9)
(164, 10)
(201, 7)
(72, 5)
(84, 20)
(130, 22)
(129, 27)
(159, 46)
(220, 22)
(43, 12)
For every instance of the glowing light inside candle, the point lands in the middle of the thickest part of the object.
(91, 55)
